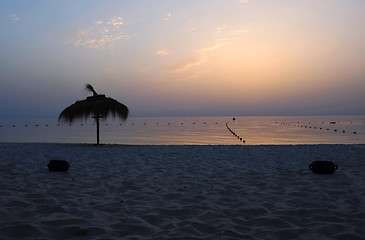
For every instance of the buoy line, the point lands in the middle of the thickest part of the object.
(235, 134)
(106, 124)
(314, 127)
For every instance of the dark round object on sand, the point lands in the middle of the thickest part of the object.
(323, 167)
(58, 165)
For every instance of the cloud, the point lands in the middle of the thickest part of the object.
(162, 52)
(201, 55)
(243, 1)
(167, 17)
(218, 44)
(116, 22)
(238, 32)
(14, 17)
(191, 76)
(102, 34)
(186, 64)
(218, 30)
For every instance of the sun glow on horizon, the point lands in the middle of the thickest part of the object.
(291, 56)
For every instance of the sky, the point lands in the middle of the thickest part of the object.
(184, 57)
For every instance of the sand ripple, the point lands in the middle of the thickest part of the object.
(181, 192)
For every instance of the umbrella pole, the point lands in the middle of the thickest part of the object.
(97, 128)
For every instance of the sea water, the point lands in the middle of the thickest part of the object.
(244, 130)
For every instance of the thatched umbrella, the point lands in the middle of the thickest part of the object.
(98, 106)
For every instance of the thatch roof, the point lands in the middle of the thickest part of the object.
(96, 106)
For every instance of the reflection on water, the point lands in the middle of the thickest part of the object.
(193, 130)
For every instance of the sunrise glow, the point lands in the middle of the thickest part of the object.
(169, 58)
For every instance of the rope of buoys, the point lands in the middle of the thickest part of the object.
(320, 128)
(235, 134)
(106, 124)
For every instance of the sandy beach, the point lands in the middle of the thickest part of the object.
(181, 192)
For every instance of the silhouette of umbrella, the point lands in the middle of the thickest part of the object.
(98, 106)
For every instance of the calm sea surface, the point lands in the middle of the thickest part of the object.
(192, 130)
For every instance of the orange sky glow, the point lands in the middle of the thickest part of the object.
(167, 58)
